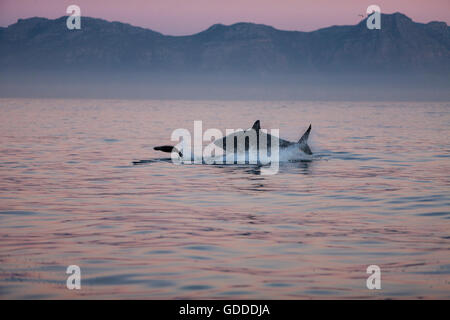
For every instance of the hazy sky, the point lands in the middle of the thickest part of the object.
(180, 17)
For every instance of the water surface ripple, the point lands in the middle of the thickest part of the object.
(70, 194)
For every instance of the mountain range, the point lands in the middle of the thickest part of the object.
(400, 46)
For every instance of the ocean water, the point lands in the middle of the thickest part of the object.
(376, 193)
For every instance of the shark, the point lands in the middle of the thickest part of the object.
(261, 142)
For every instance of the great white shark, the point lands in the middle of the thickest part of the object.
(257, 139)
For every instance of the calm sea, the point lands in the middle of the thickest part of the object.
(377, 193)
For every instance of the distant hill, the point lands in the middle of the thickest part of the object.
(402, 45)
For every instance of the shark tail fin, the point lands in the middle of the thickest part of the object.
(168, 149)
(303, 142)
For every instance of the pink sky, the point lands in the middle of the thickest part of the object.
(180, 17)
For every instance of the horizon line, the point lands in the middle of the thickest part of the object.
(222, 24)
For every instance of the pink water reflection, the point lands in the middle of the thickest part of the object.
(70, 195)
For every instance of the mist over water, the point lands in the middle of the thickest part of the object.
(364, 86)
(376, 192)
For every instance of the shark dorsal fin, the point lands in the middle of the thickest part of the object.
(256, 126)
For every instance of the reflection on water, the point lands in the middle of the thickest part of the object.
(376, 193)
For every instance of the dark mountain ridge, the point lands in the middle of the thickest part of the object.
(402, 45)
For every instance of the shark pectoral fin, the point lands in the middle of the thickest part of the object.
(168, 149)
